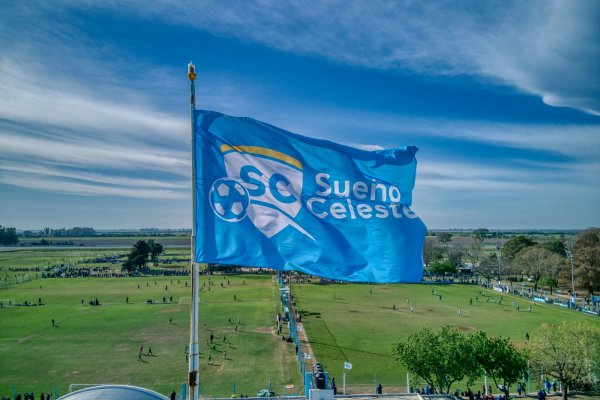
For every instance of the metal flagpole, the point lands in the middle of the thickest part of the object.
(194, 360)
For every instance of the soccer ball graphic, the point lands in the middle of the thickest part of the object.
(229, 199)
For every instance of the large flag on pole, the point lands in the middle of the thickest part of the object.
(266, 197)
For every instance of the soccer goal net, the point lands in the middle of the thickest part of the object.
(185, 300)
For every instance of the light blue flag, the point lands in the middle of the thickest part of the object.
(270, 198)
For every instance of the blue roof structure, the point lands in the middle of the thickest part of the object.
(114, 392)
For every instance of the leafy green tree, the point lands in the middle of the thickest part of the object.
(442, 267)
(500, 360)
(586, 256)
(139, 254)
(514, 245)
(569, 352)
(156, 249)
(438, 358)
(8, 236)
(557, 246)
(480, 234)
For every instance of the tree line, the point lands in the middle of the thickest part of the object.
(568, 352)
(78, 231)
(546, 263)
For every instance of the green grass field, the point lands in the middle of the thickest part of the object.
(355, 323)
(100, 344)
(359, 325)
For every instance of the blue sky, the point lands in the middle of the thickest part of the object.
(502, 98)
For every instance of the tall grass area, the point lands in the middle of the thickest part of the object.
(358, 324)
(100, 344)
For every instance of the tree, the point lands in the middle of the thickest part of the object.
(442, 267)
(586, 256)
(537, 262)
(156, 249)
(488, 267)
(439, 358)
(500, 360)
(557, 265)
(8, 236)
(480, 234)
(568, 352)
(444, 237)
(557, 246)
(514, 245)
(138, 256)
(474, 251)
(432, 252)
(455, 256)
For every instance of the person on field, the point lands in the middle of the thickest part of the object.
(379, 389)
(173, 395)
(541, 394)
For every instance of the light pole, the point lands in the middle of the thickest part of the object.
(498, 258)
(570, 255)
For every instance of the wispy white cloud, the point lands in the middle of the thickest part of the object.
(547, 48)
(58, 101)
(580, 141)
(93, 178)
(86, 189)
(91, 127)
(91, 154)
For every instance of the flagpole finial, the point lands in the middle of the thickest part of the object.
(191, 71)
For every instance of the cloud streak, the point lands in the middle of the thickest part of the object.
(548, 48)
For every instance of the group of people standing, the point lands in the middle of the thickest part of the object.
(29, 396)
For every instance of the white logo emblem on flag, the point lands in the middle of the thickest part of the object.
(272, 183)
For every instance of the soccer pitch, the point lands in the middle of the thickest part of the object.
(358, 324)
(344, 323)
(101, 344)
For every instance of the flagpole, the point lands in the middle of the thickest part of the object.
(194, 359)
